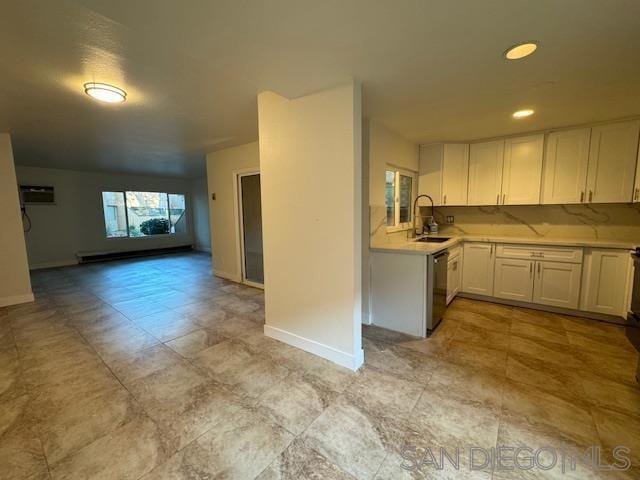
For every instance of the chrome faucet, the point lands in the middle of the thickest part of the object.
(415, 205)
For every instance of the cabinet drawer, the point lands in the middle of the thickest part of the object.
(454, 252)
(556, 254)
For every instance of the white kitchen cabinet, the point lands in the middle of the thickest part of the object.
(444, 172)
(612, 162)
(454, 273)
(485, 173)
(557, 284)
(566, 165)
(513, 279)
(477, 270)
(604, 281)
(522, 170)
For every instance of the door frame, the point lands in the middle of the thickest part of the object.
(237, 207)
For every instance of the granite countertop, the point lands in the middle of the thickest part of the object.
(419, 248)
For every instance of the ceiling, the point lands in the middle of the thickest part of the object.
(431, 70)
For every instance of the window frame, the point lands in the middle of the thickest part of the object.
(126, 212)
(398, 171)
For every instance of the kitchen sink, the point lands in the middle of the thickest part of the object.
(433, 239)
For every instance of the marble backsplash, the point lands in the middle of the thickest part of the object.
(620, 222)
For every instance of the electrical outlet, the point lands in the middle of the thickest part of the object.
(450, 219)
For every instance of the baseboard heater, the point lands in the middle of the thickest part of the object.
(89, 257)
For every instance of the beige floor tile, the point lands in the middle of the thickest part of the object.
(167, 325)
(476, 356)
(610, 345)
(404, 362)
(128, 452)
(473, 334)
(612, 395)
(194, 342)
(617, 429)
(563, 356)
(543, 375)
(240, 448)
(130, 366)
(295, 402)
(539, 332)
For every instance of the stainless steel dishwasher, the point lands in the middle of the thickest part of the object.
(436, 289)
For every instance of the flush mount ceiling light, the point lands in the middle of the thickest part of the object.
(523, 113)
(520, 50)
(105, 92)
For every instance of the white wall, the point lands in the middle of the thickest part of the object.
(76, 222)
(386, 148)
(221, 168)
(311, 167)
(15, 284)
(200, 214)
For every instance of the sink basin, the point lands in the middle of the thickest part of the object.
(433, 239)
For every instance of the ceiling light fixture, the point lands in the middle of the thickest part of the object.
(520, 50)
(523, 113)
(105, 92)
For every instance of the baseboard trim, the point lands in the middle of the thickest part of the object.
(227, 276)
(61, 263)
(16, 299)
(603, 317)
(347, 360)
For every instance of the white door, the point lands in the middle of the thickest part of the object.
(485, 173)
(557, 284)
(477, 272)
(513, 279)
(565, 168)
(455, 174)
(612, 162)
(454, 278)
(604, 281)
(522, 171)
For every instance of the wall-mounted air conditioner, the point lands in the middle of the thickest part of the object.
(34, 194)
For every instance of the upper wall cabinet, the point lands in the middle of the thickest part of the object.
(443, 173)
(485, 173)
(522, 170)
(612, 162)
(565, 171)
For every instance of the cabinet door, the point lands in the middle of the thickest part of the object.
(430, 172)
(604, 281)
(557, 284)
(485, 173)
(565, 169)
(513, 279)
(454, 269)
(612, 162)
(522, 171)
(455, 174)
(477, 271)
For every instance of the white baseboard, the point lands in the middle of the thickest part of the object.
(227, 276)
(61, 263)
(16, 299)
(347, 360)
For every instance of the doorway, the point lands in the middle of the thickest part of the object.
(250, 221)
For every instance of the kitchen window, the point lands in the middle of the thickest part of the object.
(399, 194)
(143, 214)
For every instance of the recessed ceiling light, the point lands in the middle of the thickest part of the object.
(520, 50)
(523, 113)
(104, 92)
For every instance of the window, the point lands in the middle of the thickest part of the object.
(143, 214)
(399, 197)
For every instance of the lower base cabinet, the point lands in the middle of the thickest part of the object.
(605, 281)
(513, 279)
(557, 284)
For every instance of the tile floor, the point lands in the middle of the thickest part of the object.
(153, 369)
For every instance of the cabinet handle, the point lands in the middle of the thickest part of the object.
(504, 198)
(636, 195)
(582, 196)
(530, 269)
(445, 200)
(498, 200)
(538, 269)
(590, 195)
